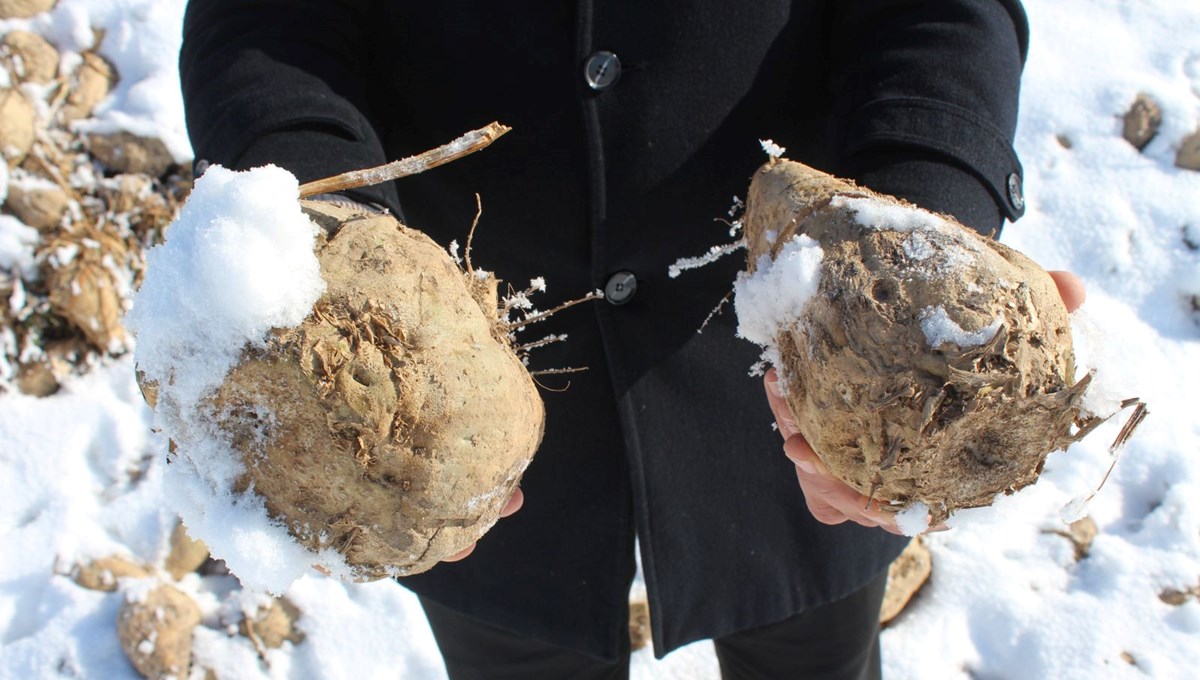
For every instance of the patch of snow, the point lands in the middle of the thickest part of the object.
(17, 245)
(237, 262)
(775, 295)
(939, 329)
(880, 215)
(714, 253)
(914, 519)
(771, 148)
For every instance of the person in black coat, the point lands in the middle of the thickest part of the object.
(634, 126)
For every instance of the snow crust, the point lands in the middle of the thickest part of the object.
(236, 263)
(882, 215)
(939, 329)
(775, 295)
(17, 243)
(935, 247)
(914, 519)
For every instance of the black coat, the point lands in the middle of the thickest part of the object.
(665, 435)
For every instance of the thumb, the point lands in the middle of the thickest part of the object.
(1070, 287)
(800, 452)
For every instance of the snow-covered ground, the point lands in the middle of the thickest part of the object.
(81, 475)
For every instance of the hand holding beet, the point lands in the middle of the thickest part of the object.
(830, 500)
(339, 390)
(515, 501)
(929, 367)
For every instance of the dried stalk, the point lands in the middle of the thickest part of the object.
(471, 233)
(548, 340)
(558, 371)
(463, 146)
(521, 323)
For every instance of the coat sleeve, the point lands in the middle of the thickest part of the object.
(283, 82)
(925, 102)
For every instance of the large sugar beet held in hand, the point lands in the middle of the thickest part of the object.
(932, 364)
(394, 423)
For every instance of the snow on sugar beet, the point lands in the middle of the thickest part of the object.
(353, 401)
(929, 367)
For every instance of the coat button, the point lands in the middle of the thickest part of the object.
(1015, 193)
(620, 288)
(602, 70)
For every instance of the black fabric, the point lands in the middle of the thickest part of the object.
(960, 135)
(835, 641)
(715, 492)
(664, 434)
(474, 650)
(938, 88)
(933, 182)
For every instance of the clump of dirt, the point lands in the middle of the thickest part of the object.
(155, 629)
(1142, 121)
(907, 575)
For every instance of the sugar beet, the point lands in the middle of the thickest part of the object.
(395, 421)
(932, 364)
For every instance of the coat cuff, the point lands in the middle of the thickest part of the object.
(930, 181)
(964, 141)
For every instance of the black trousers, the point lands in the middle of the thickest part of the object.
(836, 640)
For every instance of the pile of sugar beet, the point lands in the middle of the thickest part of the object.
(85, 204)
(82, 207)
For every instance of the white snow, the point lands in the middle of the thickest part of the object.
(876, 214)
(771, 148)
(918, 247)
(776, 294)
(1075, 510)
(16, 301)
(914, 519)
(82, 476)
(714, 253)
(1094, 354)
(237, 262)
(939, 329)
(17, 243)
(137, 590)
(934, 247)
(736, 206)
